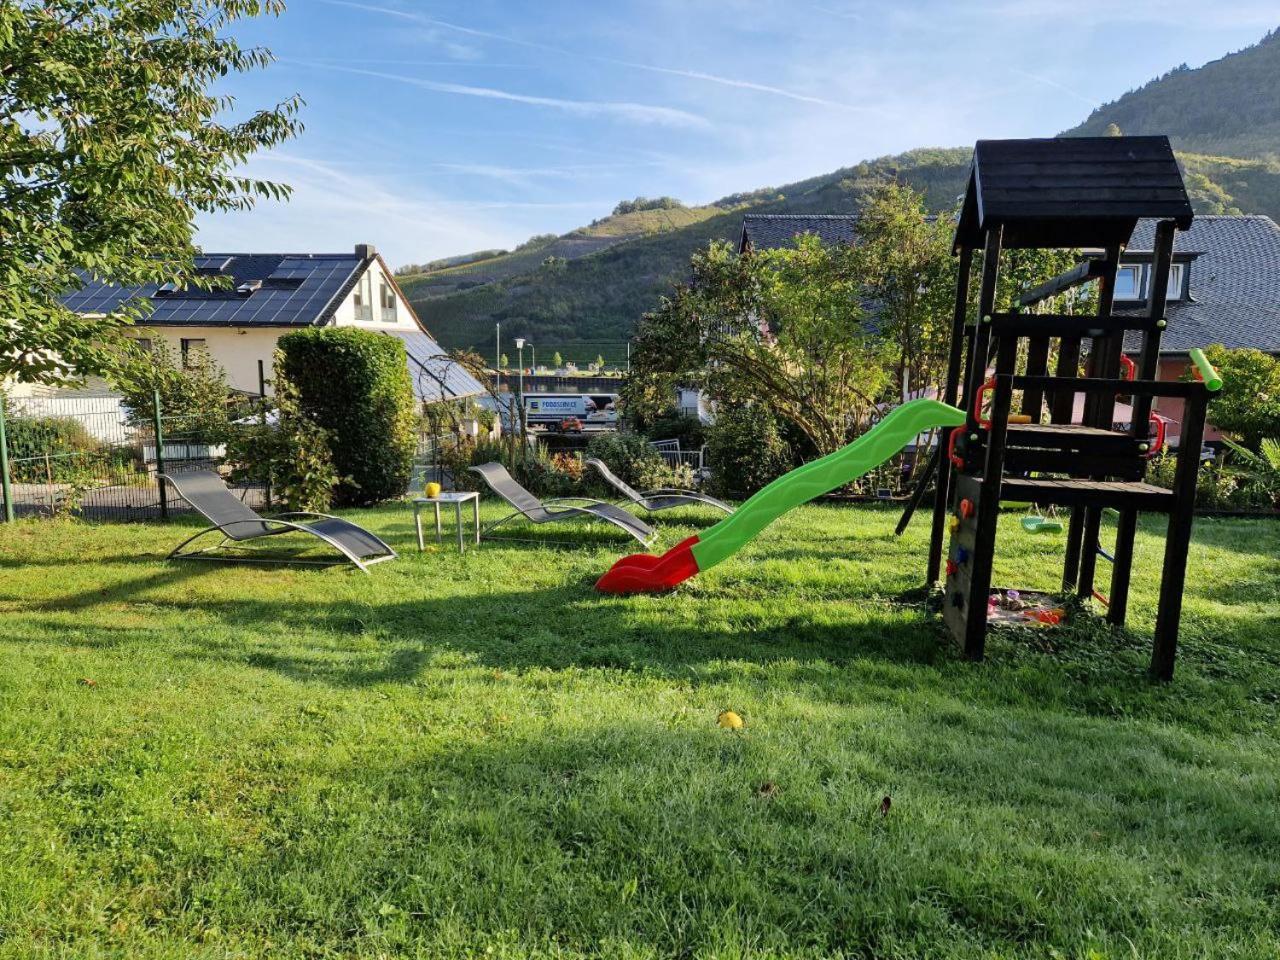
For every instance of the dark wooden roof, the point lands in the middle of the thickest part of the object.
(1071, 192)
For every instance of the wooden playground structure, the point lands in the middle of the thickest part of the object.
(1088, 194)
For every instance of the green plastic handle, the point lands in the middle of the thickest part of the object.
(1212, 382)
(821, 476)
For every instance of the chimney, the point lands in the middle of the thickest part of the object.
(366, 251)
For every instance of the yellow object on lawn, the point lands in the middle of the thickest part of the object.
(730, 720)
(432, 490)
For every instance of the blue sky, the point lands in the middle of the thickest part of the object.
(435, 128)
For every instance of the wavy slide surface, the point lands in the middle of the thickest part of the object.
(645, 573)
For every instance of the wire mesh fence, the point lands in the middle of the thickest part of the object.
(90, 456)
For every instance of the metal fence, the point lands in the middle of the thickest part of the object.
(92, 457)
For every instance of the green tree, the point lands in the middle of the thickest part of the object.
(782, 327)
(111, 144)
(1248, 406)
(557, 361)
(599, 364)
(908, 271)
(504, 361)
(195, 400)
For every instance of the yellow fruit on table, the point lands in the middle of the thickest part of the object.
(730, 720)
(432, 490)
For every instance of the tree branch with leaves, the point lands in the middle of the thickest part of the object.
(112, 143)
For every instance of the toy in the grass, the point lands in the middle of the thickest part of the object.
(645, 573)
(730, 720)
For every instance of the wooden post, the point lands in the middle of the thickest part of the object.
(1099, 410)
(5, 489)
(1148, 369)
(1164, 649)
(984, 540)
(159, 437)
(951, 389)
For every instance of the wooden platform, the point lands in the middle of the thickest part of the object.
(1070, 436)
(1120, 494)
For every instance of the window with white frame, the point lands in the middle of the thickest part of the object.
(363, 297)
(388, 299)
(1177, 274)
(1129, 282)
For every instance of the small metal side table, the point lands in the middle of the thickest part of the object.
(457, 499)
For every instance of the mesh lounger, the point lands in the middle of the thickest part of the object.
(561, 508)
(654, 500)
(237, 523)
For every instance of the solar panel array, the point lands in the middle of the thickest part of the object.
(318, 278)
(435, 376)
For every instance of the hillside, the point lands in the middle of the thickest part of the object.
(1224, 119)
(454, 278)
(600, 297)
(1229, 107)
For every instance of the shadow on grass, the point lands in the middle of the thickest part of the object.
(680, 837)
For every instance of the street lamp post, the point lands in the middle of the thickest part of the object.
(520, 353)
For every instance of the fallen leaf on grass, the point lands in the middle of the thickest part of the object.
(86, 682)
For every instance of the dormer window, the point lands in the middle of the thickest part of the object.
(1129, 282)
(1132, 280)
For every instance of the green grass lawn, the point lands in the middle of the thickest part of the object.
(479, 756)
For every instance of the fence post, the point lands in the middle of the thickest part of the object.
(159, 437)
(262, 402)
(5, 489)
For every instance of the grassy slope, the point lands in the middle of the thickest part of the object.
(579, 243)
(601, 296)
(477, 755)
(1229, 107)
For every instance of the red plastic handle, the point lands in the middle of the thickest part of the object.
(1128, 367)
(955, 458)
(1157, 445)
(981, 395)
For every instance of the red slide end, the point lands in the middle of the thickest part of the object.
(645, 573)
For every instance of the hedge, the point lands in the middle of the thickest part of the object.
(355, 384)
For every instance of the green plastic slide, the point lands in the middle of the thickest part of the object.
(646, 573)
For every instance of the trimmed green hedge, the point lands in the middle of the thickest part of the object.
(355, 384)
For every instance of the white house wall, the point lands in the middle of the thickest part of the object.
(238, 349)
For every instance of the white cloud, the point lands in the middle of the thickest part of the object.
(336, 205)
(635, 112)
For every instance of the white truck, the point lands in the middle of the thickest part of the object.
(579, 411)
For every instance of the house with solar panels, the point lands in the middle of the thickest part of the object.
(269, 294)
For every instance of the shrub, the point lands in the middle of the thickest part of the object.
(355, 385)
(746, 449)
(627, 454)
(674, 425)
(66, 442)
(291, 456)
(195, 401)
(1248, 405)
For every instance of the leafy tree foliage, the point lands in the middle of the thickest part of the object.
(195, 401)
(640, 204)
(785, 327)
(111, 143)
(1248, 406)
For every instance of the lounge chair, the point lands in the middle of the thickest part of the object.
(206, 492)
(561, 508)
(663, 498)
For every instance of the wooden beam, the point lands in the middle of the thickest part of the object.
(951, 389)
